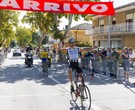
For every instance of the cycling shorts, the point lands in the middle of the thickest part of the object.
(43, 59)
(75, 65)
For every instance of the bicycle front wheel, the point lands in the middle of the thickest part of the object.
(45, 70)
(86, 98)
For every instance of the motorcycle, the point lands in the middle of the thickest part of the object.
(29, 60)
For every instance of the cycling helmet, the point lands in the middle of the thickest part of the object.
(71, 40)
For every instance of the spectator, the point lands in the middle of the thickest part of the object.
(115, 56)
(92, 59)
(54, 54)
(131, 58)
(110, 61)
(125, 63)
(87, 55)
(96, 60)
(103, 55)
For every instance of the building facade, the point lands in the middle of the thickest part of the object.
(121, 25)
(79, 34)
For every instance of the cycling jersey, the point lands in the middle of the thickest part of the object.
(44, 54)
(73, 53)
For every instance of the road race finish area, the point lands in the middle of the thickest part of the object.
(73, 7)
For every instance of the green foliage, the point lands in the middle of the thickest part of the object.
(13, 43)
(58, 35)
(8, 19)
(41, 21)
(47, 22)
(23, 36)
(35, 39)
(81, 44)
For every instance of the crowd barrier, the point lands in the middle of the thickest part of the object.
(2, 57)
(113, 68)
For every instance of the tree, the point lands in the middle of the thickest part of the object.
(39, 21)
(8, 20)
(70, 18)
(23, 36)
(35, 38)
(47, 22)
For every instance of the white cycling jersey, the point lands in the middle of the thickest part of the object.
(73, 53)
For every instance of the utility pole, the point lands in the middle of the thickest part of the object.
(109, 30)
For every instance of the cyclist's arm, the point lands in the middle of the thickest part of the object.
(79, 53)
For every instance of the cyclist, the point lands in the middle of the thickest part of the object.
(73, 55)
(43, 55)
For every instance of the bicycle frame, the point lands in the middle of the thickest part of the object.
(81, 90)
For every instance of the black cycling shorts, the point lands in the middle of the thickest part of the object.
(75, 65)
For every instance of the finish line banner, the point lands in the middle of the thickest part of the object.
(72, 7)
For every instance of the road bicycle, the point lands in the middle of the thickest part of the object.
(45, 67)
(81, 91)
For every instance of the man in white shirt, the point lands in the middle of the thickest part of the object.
(73, 55)
(131, 58)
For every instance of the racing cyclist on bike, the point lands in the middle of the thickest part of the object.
(73, 55)
(44, 56)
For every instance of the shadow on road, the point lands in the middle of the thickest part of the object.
(58, 71)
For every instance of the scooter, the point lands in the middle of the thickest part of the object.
(29, 60)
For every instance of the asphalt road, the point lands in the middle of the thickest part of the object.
(23, 88)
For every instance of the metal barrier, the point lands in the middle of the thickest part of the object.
(2, 57)
(102, 67)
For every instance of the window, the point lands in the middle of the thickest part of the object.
(129, 22)
(101, 25)
(113, 23)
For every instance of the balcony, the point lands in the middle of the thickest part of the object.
(124, 28)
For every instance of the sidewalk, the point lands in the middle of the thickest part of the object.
(119, 79)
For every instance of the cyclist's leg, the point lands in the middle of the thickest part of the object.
(70, 73)
(43, 61)
(79, 71)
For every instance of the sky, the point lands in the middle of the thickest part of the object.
(116, 3)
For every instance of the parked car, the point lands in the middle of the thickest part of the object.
(16, 52)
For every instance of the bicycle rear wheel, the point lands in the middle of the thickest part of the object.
(86, 98)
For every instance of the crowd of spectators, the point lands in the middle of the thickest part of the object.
(106, 61)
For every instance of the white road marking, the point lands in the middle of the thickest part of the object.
(92, 105)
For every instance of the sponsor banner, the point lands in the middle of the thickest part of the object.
(72, 7)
